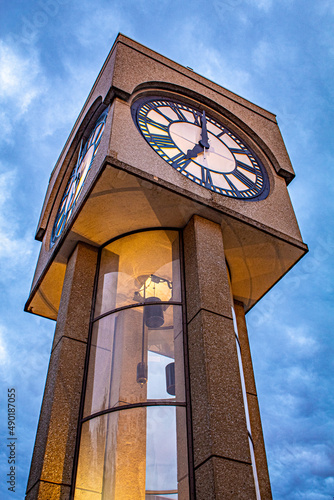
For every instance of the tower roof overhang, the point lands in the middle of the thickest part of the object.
(121, 201)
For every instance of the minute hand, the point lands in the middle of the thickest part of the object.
(204, 142)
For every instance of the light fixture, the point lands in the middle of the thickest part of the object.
(170, 378)
(153, 316)
(141, 373)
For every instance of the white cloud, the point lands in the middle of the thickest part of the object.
(17, 363)
(19, 76)
(301, 340)
(26, 98)
(262, 54)
(222, 6)
(208, 61)
(214, 66)
(263, 4)
(101, 26)
(325, 8)
(3, 350)
(310, 462)
(21, 82)
(14, 250)
(266, 55)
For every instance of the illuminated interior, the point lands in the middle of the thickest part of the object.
(133, 442)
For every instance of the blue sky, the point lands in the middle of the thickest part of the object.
(278, 54)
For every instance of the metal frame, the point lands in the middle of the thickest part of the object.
(149, 403)
(191, 468)
(136, 304)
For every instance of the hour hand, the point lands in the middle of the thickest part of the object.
(196, 150)
(204, 138)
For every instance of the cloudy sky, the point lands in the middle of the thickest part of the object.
(278, 54)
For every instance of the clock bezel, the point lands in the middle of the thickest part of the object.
(81, 154)
(222, 122)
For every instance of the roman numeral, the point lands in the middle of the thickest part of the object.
(158, 125)
(180, 162)
(162, 141)
(151, 105)
(242, 151)
(60, 220)
(242, 178)
(206, 178)
(197, 117)
(232, 186)
(162, 114)
(249, 168)
(179, 113)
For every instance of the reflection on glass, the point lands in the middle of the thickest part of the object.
(121, 342)
(139, 267)
(161, 463)
(136, 358)
(157, 381)
(134, 455)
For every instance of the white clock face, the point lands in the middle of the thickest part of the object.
(201, 148)
(78, 176)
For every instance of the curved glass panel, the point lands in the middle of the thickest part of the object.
(131, 362)
(136, 454)
(136, 358)
(138, 268)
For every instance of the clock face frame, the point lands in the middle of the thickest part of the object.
(87, 152)
(176, 130)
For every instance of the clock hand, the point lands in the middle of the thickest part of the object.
(203, 144)
(195, 151)
(204, 139)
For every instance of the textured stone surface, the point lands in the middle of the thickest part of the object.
(56, 436)
(49, 491)
(206, 274)
(130, 67)
(219, 423)
(259, 448)
(247, 364)
(218, 413)
(220, 479)
(131, 149)
(76, 299)
(253, 406)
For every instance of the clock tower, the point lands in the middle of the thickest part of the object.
(166, 218)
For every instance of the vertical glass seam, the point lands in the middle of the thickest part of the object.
(192, 490)
(84, 379)
(186, 403)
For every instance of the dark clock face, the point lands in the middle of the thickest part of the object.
(201, 148)
(88, 150)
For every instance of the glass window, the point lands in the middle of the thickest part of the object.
(137, 449)
(134, 454)
(131, 362)
(138, 268)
